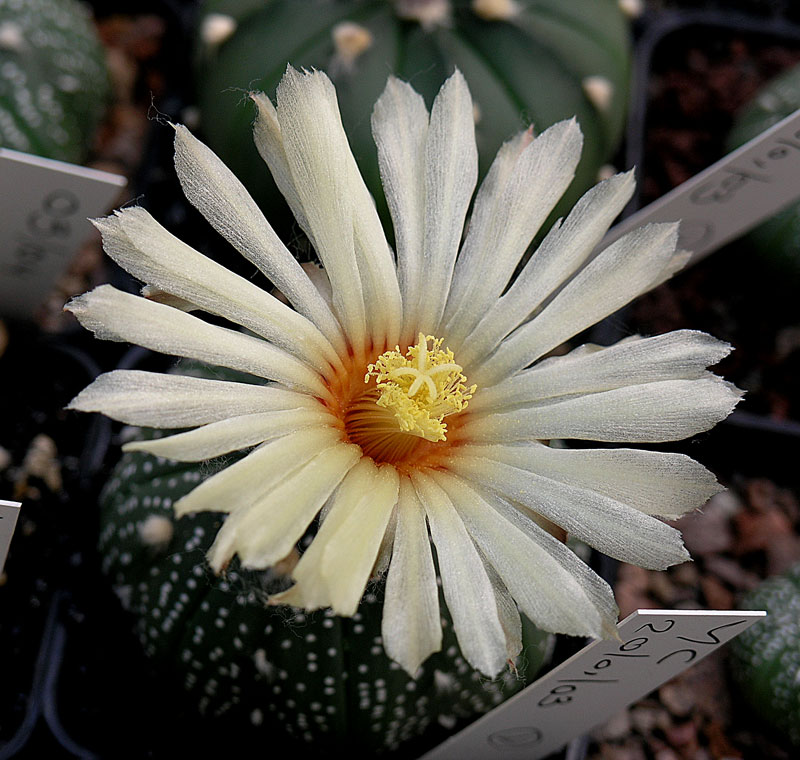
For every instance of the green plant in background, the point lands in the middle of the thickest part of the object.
(527, 61)
(777, 241)
(765, 659)
(53, 79)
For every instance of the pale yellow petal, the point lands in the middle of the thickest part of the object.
(231, 434)
(411, 628)
(152, 399)
(467, 589)
(511, 205)
(139, 244)
(244, 482)
(266, 532)
(451, 171)
(114, 315)
(222, 199)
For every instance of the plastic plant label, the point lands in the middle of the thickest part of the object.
(596, 683)
(44, 205)
(748, 186)
(9, 511)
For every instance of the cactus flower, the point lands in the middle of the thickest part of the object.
(407, 398)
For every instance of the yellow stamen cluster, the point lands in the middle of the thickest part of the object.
(421, 388)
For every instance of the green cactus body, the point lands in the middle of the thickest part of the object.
(549, 61)
(765, 659)
(311, 677)
(53, 78)
(777, 241)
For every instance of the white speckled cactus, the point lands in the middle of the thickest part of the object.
(313, 677)
(765, 659)
(53, 78)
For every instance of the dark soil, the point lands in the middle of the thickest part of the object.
(701, 76)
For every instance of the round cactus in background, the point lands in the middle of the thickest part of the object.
(765, 659)
(777, 241)
(526, 61)
(305, 678)
(53, 78)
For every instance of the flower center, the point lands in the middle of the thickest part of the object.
(396, 415)
(421, 388)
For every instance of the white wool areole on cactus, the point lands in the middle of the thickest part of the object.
(408, 398)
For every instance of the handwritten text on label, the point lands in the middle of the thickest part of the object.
(594, 684)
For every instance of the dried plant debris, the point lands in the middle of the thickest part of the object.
(740, 537)
(41, 463)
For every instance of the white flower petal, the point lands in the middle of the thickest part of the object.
(339, 209)
(514, 200)
(671, 267)
(241, 484)
(385, 551)
(231, 434)
(609, 526)
(266, 531)
(400, 128)
(563, 251)
(624, 270)
(349, 556)
(532, 567)
(507, 611)
(310, 590)
(152, 293)
(222, 199)
(382, 301)
(373, 256)
(679, 355)
(596, 590)
(411, 629)
(335, 569)
(482, 226)
(114, 315)
(668, 410)
(317, 155)
(656, 483)
(152, 399)
(467, 590)
(140, 245)
(451, 171)
(269, 142)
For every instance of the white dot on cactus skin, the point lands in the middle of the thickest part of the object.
(476, 113)
(495, 10)
(447, 721)
(429, 13)
(631, 8)
(606, 171)
(190, 117)
(350, 40)
(68, 83)
(11, 37)
(443, 682)
(216, 28)
(599, 90)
